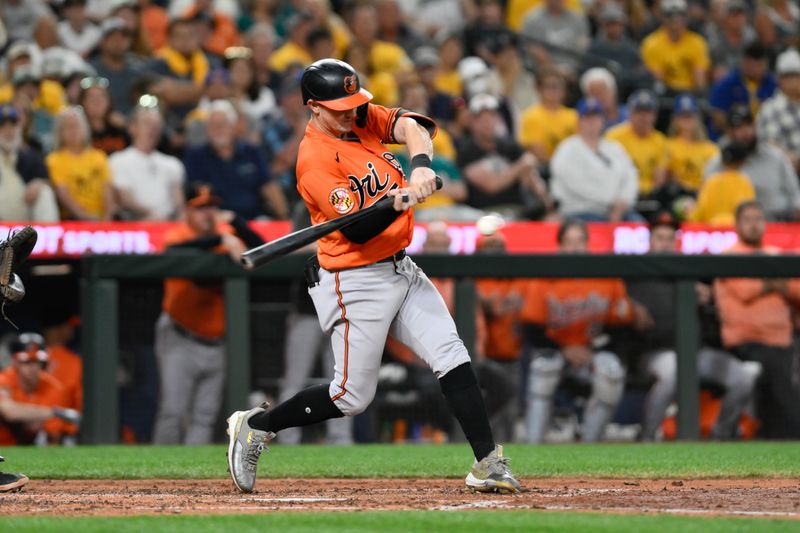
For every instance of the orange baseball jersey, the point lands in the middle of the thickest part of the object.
(67, 367)
(337, 176)
(502, 301)
(50, 393)
(199, 308)
(572, 310)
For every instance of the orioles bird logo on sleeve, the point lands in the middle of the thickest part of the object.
(350, 84)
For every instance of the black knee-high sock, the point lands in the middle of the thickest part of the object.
(460, 387)
(307, 407)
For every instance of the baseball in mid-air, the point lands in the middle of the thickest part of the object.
(489, 224)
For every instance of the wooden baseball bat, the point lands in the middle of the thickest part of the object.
(265, 253)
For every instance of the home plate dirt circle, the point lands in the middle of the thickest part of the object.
(767, 498)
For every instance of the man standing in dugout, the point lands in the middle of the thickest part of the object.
(362, 284)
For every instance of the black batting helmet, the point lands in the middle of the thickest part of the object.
(334, 84)
(28, 347)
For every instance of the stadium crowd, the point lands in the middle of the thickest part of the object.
(560, 110)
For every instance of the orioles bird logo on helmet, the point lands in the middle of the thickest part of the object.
(350, 84)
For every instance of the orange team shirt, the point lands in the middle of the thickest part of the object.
(199, 308)
(67, 367)
(502, 300)
(50, 393)
(572, 310)
(747, 314)
(338, 176)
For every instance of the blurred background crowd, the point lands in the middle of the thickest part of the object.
(559, 110)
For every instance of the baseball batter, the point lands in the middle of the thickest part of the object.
(363, 285)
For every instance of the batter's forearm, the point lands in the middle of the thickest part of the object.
(416, 138)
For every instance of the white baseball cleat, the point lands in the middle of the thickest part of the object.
(491, 474)
(245, 447)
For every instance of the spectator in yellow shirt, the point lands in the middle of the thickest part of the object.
(674, 55)
(722, 192)
(646, 146)
(549, 122)
(80, 173)
(688, 147)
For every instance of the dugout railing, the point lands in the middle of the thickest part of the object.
(102, 275)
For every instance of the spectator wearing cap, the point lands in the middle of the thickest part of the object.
(80, 172)
(593, 178)
(728, 39)
(47, 95)
(750, 84)
(517, 85)
(767, 167)
(20, 17)
(383, 57)
(107, 125)
(394, 28)
(646, 146)
(677, 57)
(500, 175)
(779, 118)
(688, 147)
(235, 168)
(148, 183)
(58, 330)
(25, 192)
(190, 333)
(600, 84)
(76, 31)
(544, 125)
(116, 63)
(224, 33)
(612, 44)
(556, 34)
(183, 66)
(722, 192)
(294, 50)
(756, 325)
(31, 400)
(28, 94)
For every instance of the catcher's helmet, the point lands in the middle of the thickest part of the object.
(334, 84)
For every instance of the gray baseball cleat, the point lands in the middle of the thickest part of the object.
(245, 447)
(491, 474)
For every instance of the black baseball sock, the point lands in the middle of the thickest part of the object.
(460, 387)
(307, 407)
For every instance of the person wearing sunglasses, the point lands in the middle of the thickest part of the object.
(31, 400)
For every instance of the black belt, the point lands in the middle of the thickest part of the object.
(394, 258)
(205, 341)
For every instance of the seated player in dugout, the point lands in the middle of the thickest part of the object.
(363, 285)
(566, 324)
(31, 400)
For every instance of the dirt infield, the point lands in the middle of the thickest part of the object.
(769, 498)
